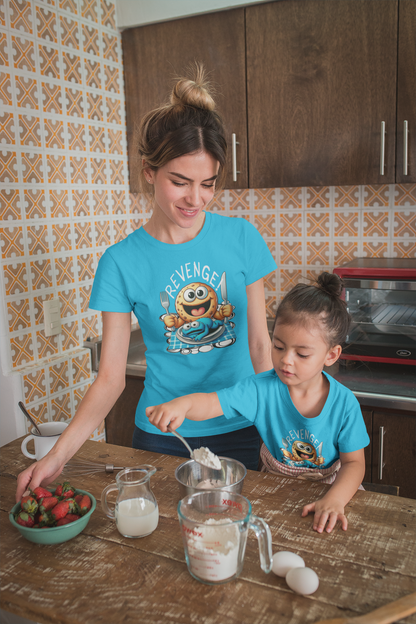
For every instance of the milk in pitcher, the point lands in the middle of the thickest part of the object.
(136, 517)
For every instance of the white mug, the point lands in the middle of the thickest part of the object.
(43, 444)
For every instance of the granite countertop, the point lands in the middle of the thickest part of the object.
(388, 386)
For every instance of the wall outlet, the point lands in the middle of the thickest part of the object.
(52, 315)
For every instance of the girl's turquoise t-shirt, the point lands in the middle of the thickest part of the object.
(203, 353)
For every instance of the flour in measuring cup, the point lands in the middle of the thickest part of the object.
(213, 550)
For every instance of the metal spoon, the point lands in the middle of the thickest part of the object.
(191, 452)
(29, 417)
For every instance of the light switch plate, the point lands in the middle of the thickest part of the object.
(52, 316)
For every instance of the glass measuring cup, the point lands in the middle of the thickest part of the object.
(214, 528)
(136, 510)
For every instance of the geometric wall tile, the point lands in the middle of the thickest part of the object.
(40, 414)
(74, 101)
(59, 203)
(108, 14)
(114, 110)
(118, 172)
(30, 131)
(98, 171)
(346, 196)
(317, 197)
(289, 278)
(266, 225)
(345, 252)
(8, 170)
(102, 233)
(68, 301)
(61, 407)
(46, 24)
(62, 237)
(291, 198)
(32, 166)
(115, 138)
(51, 98)
(54, 134)
(405, 195)
(5, 89)
(120, 230)
(38, 241)
(317, 224)
(64, 270)
(290, 224)
(78, 168)
(317, 253)
(49, 61)
(81, 367)
(290, 253)
(23, 51)
(373, 249)
(95, 106)
(34, 203)
(90, 327)
(99, 202)
(21, 349)
(69, 32)
(111, 47)
(15, 278)
(41, 274)
(72, 68)
(111, 79)
(404, 249)
(76, 136)
(89, 10)
(346, 224)
(376, 195)
(34, 385)
(84, 297)
(10, 208)
(7, 129)
(83, 235)
(92, 70)
(70, 335)
(97, 141)
(375, 224)
(18, 314)
(80, 203)
(56, 168)
(404, 223)
(21, 17)
(11, 242)
(46, 346)
(58, 376)
(90, 39)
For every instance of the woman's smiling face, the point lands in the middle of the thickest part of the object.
(183, 188)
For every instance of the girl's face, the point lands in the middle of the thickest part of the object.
(183, 188)
(300, 353)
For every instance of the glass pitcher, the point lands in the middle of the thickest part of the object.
(214, 529)
(136, 511)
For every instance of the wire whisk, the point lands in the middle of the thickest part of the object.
(80, 466)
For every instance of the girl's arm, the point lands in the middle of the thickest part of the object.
(258, 334)
(198, 406)
(93, 408)
(330, 507)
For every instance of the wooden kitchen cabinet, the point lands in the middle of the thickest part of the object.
(154, 55)
(390, 458)
(321, 77)
(119, 423)
(304, 84)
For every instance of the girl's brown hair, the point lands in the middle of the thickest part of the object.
(189, 123)
(318, 302)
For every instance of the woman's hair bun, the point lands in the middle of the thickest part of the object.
(193, 92)
(330, 283)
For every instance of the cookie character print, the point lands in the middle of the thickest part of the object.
(200, 322)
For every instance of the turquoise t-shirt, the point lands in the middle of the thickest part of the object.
(292, 439)
(207, 347)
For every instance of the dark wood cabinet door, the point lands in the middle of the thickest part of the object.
(321, 77)
(406, 91)
(119, 423)
(394, 463)
(154, 55)
(368, 419)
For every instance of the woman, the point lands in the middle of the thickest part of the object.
(194, 280)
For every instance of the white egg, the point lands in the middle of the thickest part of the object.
(302, 580)
(284, 561)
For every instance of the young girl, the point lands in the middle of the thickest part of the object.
(311, 424)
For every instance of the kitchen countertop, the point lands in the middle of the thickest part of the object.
(102, 577)
(388, 386)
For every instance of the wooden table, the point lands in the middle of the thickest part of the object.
(101, 577)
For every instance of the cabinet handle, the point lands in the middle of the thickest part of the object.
(382, 146)
(234, 144)
(405, 146)
(380, 455)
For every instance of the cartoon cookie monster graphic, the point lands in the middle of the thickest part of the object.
(197, 311)
(302, 455)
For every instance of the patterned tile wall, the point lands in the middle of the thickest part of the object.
(64, 186)
(64, 196)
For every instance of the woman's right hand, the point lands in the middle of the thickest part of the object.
(41, 472)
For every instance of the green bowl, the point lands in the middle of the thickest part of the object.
(54, 535)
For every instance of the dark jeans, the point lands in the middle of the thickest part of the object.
(243, 445)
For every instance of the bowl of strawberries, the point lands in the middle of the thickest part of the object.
(53, 516)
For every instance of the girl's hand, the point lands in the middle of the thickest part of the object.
(165, 415)
(327, 512)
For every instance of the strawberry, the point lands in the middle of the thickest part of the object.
(29, 504)
(73, 505)
(84, 504)
(60, 510)
(68, 519)
(45, 520)
(24, 519)
(65, 490)
(47, 502)
(41, 492)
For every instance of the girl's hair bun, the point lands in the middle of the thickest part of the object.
(330, 283)
(196, 92)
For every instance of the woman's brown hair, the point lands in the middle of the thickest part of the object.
(187, 124)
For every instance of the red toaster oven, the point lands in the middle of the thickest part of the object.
(380, 294)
